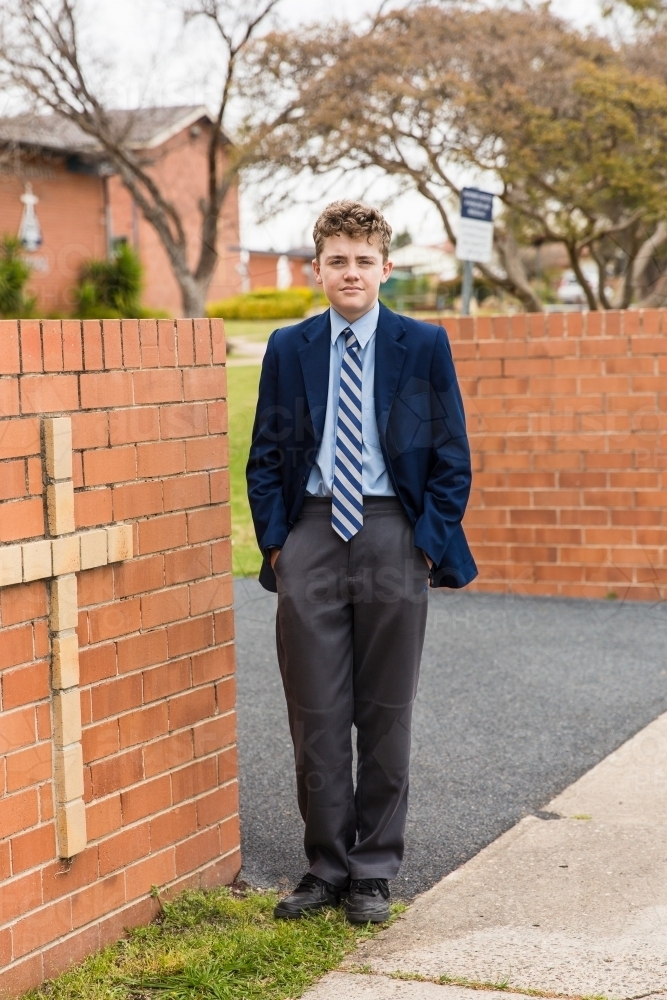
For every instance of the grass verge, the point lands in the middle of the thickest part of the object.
(255, 329)
(212, 945)
(242, 383)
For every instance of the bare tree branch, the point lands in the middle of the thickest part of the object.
(40, 54)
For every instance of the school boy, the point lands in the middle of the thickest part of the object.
(358, 479)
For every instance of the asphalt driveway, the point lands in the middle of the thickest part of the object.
(518, 697)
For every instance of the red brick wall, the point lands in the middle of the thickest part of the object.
(567, 416)
(148, 408)
(71, 215)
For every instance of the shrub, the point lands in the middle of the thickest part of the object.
(14, 273)
(265, 303)
(110, 289)
(145, 312)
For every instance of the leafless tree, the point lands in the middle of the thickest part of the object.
(41, 58)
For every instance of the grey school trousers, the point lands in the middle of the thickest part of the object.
(350, 630)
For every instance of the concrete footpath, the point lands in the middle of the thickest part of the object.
(569, 902)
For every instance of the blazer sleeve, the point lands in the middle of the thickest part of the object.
(450, 474)
(264, 472)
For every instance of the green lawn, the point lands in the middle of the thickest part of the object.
(255, 329)
(212, 945)
(242, 383)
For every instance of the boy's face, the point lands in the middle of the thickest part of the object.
(351, 272)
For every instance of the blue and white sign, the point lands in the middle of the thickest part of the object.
(476, 204)
(475, 237)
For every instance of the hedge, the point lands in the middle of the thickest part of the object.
(265, 303)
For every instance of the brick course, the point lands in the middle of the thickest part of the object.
(567, 417)
(155, 634)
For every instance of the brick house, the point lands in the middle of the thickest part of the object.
(82, 208)
(276, 269)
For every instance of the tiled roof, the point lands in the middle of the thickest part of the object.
(144, 128)
(306, 253)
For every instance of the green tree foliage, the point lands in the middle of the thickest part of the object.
(14, 274)
(583, 162)
(648, 13)
(402, 239)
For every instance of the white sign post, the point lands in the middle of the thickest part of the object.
(474, 243)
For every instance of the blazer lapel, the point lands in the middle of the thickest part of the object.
(315, 356)
(389, 358)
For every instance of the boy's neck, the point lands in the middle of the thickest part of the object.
(352, 317)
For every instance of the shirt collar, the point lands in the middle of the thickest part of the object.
(363, 328)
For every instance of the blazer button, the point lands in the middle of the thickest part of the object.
(303, 480)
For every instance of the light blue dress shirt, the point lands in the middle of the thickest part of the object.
(375, 479)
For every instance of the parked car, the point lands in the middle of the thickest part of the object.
(570, 292)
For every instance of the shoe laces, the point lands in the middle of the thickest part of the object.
(371, 886)
(308, 882)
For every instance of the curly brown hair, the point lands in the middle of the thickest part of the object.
(356, 221)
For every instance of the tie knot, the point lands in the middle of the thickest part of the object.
(350, 339)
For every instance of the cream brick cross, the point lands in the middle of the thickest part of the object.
(58, 558)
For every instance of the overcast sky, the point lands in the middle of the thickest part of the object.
(149, 59)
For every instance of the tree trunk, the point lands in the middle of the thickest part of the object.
(517, 280)
(602, 277)
(193, 295)
(581, 278)
(628, 283)
(658, 297)
(645, 256)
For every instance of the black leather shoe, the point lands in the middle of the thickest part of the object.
(311, 894)
(368, 900)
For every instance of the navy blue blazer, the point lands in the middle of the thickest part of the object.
(421, 426)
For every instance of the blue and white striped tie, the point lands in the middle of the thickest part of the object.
(347, 505)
